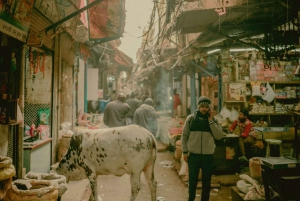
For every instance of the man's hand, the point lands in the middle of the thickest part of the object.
(185, 157)
(211, 113)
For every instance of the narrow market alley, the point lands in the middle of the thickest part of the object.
(169, 184)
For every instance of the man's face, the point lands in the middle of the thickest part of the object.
(242, 117)
(203, 108)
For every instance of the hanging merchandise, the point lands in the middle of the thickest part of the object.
(255, 88)
(270, 94)
(263, 89)
(236, 91)
(233, 115)
(44, 115)
(225, 113)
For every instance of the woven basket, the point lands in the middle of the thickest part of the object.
(40, 191)
(63, 146)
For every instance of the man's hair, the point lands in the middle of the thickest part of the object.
(121, 97)
(245, 112)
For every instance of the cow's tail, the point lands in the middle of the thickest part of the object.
(154, 147)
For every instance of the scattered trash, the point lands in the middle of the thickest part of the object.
(214, 194)
(197, 195)
(166, 162)
(168, 166)
(215, 189)
(160, 199)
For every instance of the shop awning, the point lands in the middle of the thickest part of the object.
(93, 20)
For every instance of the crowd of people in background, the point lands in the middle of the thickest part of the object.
(131, 109)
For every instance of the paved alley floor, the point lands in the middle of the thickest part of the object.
(169, 184)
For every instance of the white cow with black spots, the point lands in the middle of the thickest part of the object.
(118, 151)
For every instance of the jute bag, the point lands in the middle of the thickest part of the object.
(60, 179)
(40, 190)
(63, 146)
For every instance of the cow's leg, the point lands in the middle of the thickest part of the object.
(149, 176)
(93, 183)
(135, 184)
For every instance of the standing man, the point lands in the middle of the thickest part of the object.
(115, 112)
(133, 104)
(146, 117)
(176, 102)
(198, 135)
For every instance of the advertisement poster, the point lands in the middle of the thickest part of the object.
(15, 16)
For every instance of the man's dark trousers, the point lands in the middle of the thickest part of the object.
(195, 162)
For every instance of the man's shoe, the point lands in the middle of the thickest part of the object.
(243, 158)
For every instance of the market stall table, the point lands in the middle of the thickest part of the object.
(37, 155)
(226, 154)
(283, 175)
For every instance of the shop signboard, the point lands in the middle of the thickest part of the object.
(15, 16)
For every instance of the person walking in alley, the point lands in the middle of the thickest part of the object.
(245, 128)
(133, 104)
(115, 112)
(198, 135)
(176, 102)
(146, 117)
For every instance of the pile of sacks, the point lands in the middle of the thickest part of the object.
(253, 189)
(7, 171)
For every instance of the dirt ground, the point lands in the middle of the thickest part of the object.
(169, 185)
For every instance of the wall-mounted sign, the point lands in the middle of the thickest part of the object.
(15, 16)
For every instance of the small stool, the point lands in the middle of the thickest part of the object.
(274, 148)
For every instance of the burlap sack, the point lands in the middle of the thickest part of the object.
(40, 191)
(60, 179)
(63, 146)
(7, 169)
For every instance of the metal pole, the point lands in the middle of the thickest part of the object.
(193, 90)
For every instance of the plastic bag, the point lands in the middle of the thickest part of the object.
(225, 113)
(255, 88)
(270, 94)
(243, 186)
(233, 115)
(183, 167)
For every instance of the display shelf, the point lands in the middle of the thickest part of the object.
(241, 93)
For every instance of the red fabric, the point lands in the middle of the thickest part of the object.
(245, 127)
(177, 101)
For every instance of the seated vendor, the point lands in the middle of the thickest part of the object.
(245, 127)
